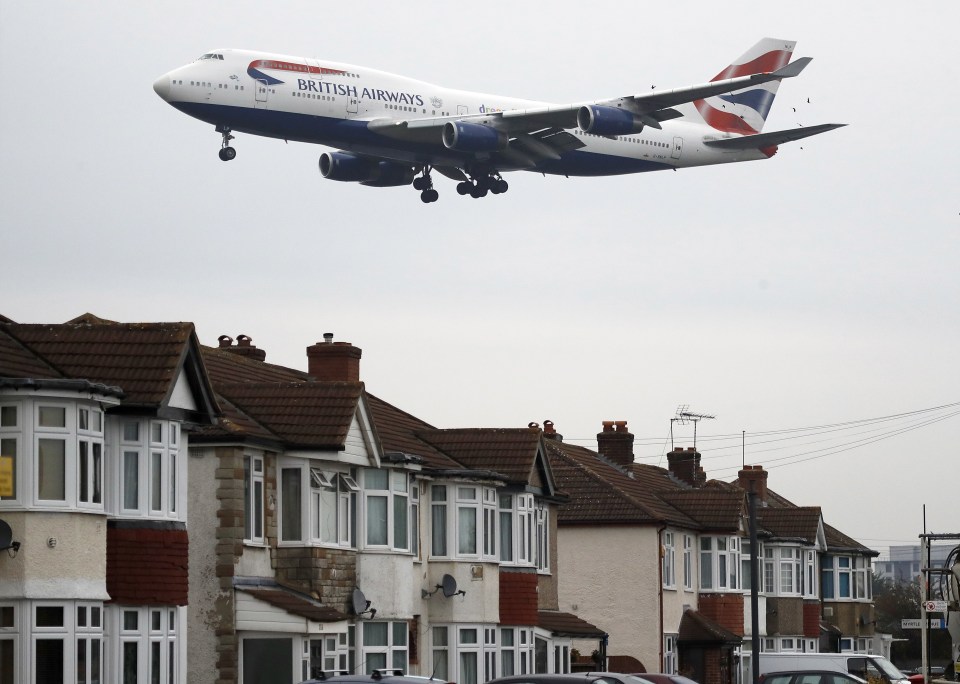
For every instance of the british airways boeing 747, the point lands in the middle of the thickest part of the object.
(392, 130)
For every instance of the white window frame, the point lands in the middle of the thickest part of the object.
(396, 498)
(90, 444)
(161, 470)
(11, 439)
(344, 489)
(254, 497)
(688, 562)
(461, 512)
(396, 650)
(668, 565)
(670, 653)
(720, 557)
(542, 532)
(789, 571)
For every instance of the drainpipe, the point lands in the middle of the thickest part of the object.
(660, 532)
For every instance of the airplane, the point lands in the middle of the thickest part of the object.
(391, 130)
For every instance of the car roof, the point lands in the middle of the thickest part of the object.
(387, 676)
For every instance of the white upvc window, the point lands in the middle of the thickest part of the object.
(669, 653)
(524, 531)
(333, 499)
(668, 561)
(688, 562)
(253, 496)
(791, 573)
(384, 645)
(89, 458)
(719, 563)
(386, 497)
(11, 436)
(463, 521)
(845, 578)
(810, 573)
(66, 641)
(542, 531)
(149, 471)
(149, 644)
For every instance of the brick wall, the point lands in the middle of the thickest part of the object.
(724, 609)
(518, 598)
(147, 564)
(811, 619)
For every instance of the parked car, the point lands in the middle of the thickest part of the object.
(661, 678)
(388, 676)
(810, 677)
(576, 678)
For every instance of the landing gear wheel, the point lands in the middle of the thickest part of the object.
(478, 191)
(428, 196)
(421, 183)
(227, 153)
(464, 188)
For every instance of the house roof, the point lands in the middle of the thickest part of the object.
(294, 603)
(314, 415)
(838, 542)
(713, 509)
(601, 492)
(696, 628)
(145, 360)
(397, 430)
(568, 625)
(515, 453)
(802, 522)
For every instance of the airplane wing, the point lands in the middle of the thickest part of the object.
(651, 108)
(753, 142)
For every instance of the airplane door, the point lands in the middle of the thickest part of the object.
(353, 106)
(677, 148)
(462, 110)
(262, 90)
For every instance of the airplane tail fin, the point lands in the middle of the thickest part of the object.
(744, 111)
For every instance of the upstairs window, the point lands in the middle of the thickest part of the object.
(253, 499)
(719, 563)
(386, 495)
(668, 569)
(150, 469)
(333, 506)
(473, 510)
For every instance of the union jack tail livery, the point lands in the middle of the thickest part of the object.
(744, 111)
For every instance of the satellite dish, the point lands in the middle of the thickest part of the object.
(449, 585)
(6, 538)
(360, 602)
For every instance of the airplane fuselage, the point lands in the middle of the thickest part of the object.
(350, 107)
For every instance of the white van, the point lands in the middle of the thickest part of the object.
(873, 668)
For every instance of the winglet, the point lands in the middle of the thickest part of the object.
(793, 68)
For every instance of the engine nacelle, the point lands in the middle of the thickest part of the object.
(607, 121)
(471, 137)
(343, 166)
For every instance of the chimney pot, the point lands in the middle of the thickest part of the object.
(328, 338)
(533, 425)
(225, 341)
(243, 341)
(608, 426)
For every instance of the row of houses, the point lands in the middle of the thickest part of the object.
(188, 513)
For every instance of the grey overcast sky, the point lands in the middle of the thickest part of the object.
(818, 288)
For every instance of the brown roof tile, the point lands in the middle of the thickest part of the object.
(397, 430)
(601, 492)
(509, 451)
(143, 359)
(567, 625)
(304, 414)
(713, 509)
(16, 361)
(791, 523)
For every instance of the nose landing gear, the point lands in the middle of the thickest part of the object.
(226, 152)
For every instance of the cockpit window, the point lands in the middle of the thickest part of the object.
(210, 55)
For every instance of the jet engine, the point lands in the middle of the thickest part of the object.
(601, 120)
(470, 137)
(375, 173)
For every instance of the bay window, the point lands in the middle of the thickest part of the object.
(687, 562)
(845, 578)
(148, 468)
(473, 509)
(720, 563)
(384, 645)
(333, 500)
(386, 496)
(524, 525)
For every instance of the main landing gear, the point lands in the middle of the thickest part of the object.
(226, 152)
(481, 185)
(424, 184)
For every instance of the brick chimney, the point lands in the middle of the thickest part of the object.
(245, 347)
(550, 432)
(334, 361)
(615, 442)
(753, 478)
(684, 464)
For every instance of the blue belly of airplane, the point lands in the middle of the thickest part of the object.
(351, 132)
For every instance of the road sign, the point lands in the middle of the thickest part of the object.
(935, 606)
(935, 623)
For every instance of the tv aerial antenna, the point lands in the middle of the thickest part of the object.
(685, 416)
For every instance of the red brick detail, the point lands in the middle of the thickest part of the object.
(334, 361)
(811, 619)
(518, 598)
(724, 609)
(146, 566)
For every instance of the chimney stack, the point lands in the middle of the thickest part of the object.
(333, 361)
(753, 478)
(550, 432)
(684, 464)
(615, 442)
(245, 347)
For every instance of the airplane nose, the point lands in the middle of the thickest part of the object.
(162, 87)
